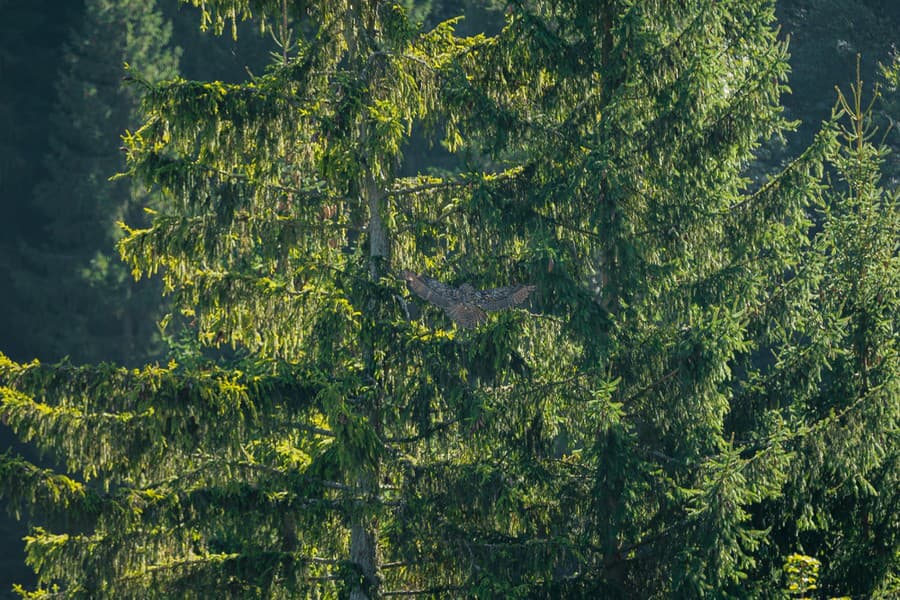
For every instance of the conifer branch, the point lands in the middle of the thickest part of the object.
(420, 592)
(315, 430)
(650, 386)
(403, 55)
(428, 187)
(434, 428)
(774, 181)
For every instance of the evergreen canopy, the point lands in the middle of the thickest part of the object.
(703, 383)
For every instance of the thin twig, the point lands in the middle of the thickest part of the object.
(434, 590)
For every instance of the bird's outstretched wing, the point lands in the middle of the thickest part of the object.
(465, 305)
(432, 290)
(502, 297)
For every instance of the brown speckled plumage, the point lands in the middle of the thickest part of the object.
(466, 305)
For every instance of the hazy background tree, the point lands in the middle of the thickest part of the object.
(88, 304)
(32, 34)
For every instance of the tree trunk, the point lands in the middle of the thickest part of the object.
(363, 554)
(363, 528)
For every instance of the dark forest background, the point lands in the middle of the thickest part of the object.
(65, 100)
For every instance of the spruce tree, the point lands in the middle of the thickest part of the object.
(310, 147)
(837, 374)
(702, 386)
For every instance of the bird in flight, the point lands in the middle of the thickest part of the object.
(465, 305)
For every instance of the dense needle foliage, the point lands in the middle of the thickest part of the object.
(702, 389)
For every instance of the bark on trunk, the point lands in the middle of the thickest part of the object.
(363, 554)
(364, 529)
